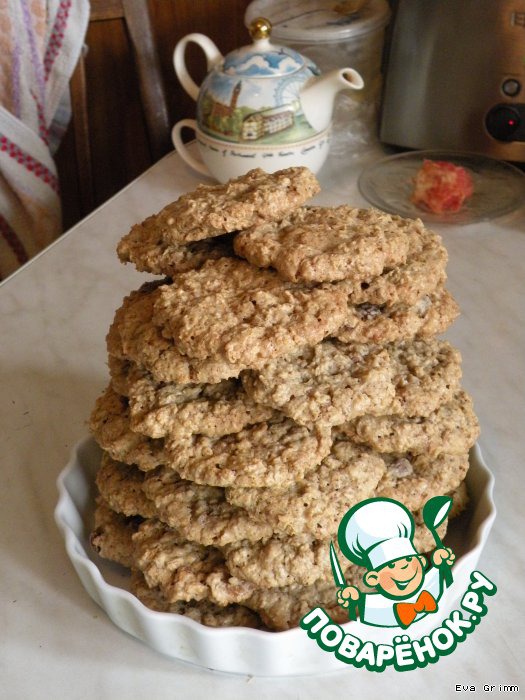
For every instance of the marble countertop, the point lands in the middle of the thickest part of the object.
(54, 641)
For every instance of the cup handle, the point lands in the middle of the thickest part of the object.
(181, 148)
(212, 53)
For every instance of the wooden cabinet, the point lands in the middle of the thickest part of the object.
(118, 139)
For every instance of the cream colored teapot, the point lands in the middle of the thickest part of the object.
(262, 105)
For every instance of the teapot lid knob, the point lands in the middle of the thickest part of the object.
(260, 28)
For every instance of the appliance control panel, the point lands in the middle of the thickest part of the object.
(506, 122)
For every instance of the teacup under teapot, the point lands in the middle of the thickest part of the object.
(262, 105)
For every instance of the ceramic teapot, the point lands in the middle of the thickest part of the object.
(262, 105)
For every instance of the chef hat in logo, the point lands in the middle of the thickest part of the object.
(376, 532)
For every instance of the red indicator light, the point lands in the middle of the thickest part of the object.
(511, 122)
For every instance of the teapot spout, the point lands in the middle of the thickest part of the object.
(318, 94)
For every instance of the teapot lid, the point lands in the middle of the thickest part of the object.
(262, 59)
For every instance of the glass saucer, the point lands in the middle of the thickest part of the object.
(499, 188)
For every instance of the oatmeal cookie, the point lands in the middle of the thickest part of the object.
(326, 384)
(214, 322)
(124, 373)
(158, 409)
(406, 283)
(120, 486)
(110, 426)
(243, 315)
(201, 513)
(333, 381)
(274, 453)
(209, 614)
(184, 570)
(134, 337)
(413, 479)
(284, 561)
(282, 608)
(460, 500)
(427, 374)
(112, 536)
(371, 323)
(328, 244)
(213, 210)
(316, 504)
(145, 247)
(452, 428)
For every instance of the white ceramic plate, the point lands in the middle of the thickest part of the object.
(499, 188)
(236, 649)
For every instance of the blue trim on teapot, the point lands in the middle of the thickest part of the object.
(277, 61)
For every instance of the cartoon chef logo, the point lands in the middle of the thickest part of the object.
(377, 534)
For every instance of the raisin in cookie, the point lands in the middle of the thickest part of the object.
(372, 323)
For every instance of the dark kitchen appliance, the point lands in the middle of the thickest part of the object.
(455, 77)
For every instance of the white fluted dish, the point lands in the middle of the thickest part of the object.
(237, 649)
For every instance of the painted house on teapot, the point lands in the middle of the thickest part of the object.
(267, 121)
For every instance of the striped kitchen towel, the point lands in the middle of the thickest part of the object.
(40, 43)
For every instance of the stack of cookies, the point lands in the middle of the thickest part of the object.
(284, 368)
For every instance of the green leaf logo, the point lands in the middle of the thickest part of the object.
(436, 510)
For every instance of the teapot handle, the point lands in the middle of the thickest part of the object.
(212, 53)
